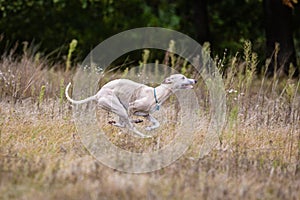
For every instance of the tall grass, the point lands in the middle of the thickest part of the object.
(41, 156)
(30, 77)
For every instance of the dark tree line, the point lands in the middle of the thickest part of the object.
(278, 27)
(225, 24)
(279, 30)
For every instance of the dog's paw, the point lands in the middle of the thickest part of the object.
(147, 136)
(141, 135)
(138, 121)
(148, 128)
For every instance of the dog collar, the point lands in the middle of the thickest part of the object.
(156, 100)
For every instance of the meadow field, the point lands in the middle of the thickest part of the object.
(42, 157)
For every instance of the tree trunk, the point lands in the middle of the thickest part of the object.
(195, 19)
(200, 19)
(278, 27)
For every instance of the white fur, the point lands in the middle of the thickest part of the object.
(125, 97)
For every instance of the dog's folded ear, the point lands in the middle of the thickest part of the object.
(167, 81)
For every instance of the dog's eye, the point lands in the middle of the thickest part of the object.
(183, 78)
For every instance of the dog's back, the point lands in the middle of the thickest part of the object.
(124, 89)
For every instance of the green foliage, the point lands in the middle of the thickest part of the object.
(61, 92)
(233, 22)
(146, 54)
(41, 95)
(251, 63)
(72, 48)
(52, 24)
(161, 14)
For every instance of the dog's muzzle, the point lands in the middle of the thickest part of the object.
(193, 81)
(190, 84)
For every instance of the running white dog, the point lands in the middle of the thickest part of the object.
(125, 97)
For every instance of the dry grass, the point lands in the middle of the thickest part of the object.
(41, 155)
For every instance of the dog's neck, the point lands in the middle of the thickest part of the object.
(163, 92)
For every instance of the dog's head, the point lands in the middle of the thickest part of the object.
(179, 81)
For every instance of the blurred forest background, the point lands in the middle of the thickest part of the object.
(258, 157)
(50, 25)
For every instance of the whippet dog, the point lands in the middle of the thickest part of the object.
(125, 98)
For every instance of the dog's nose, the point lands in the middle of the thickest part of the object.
(195, 81)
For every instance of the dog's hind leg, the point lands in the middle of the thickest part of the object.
(111, 103)
(154, 122)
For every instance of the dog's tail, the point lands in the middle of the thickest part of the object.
(91, 98)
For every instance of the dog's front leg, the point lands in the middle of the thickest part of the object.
(120, 124)
(155, 123)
